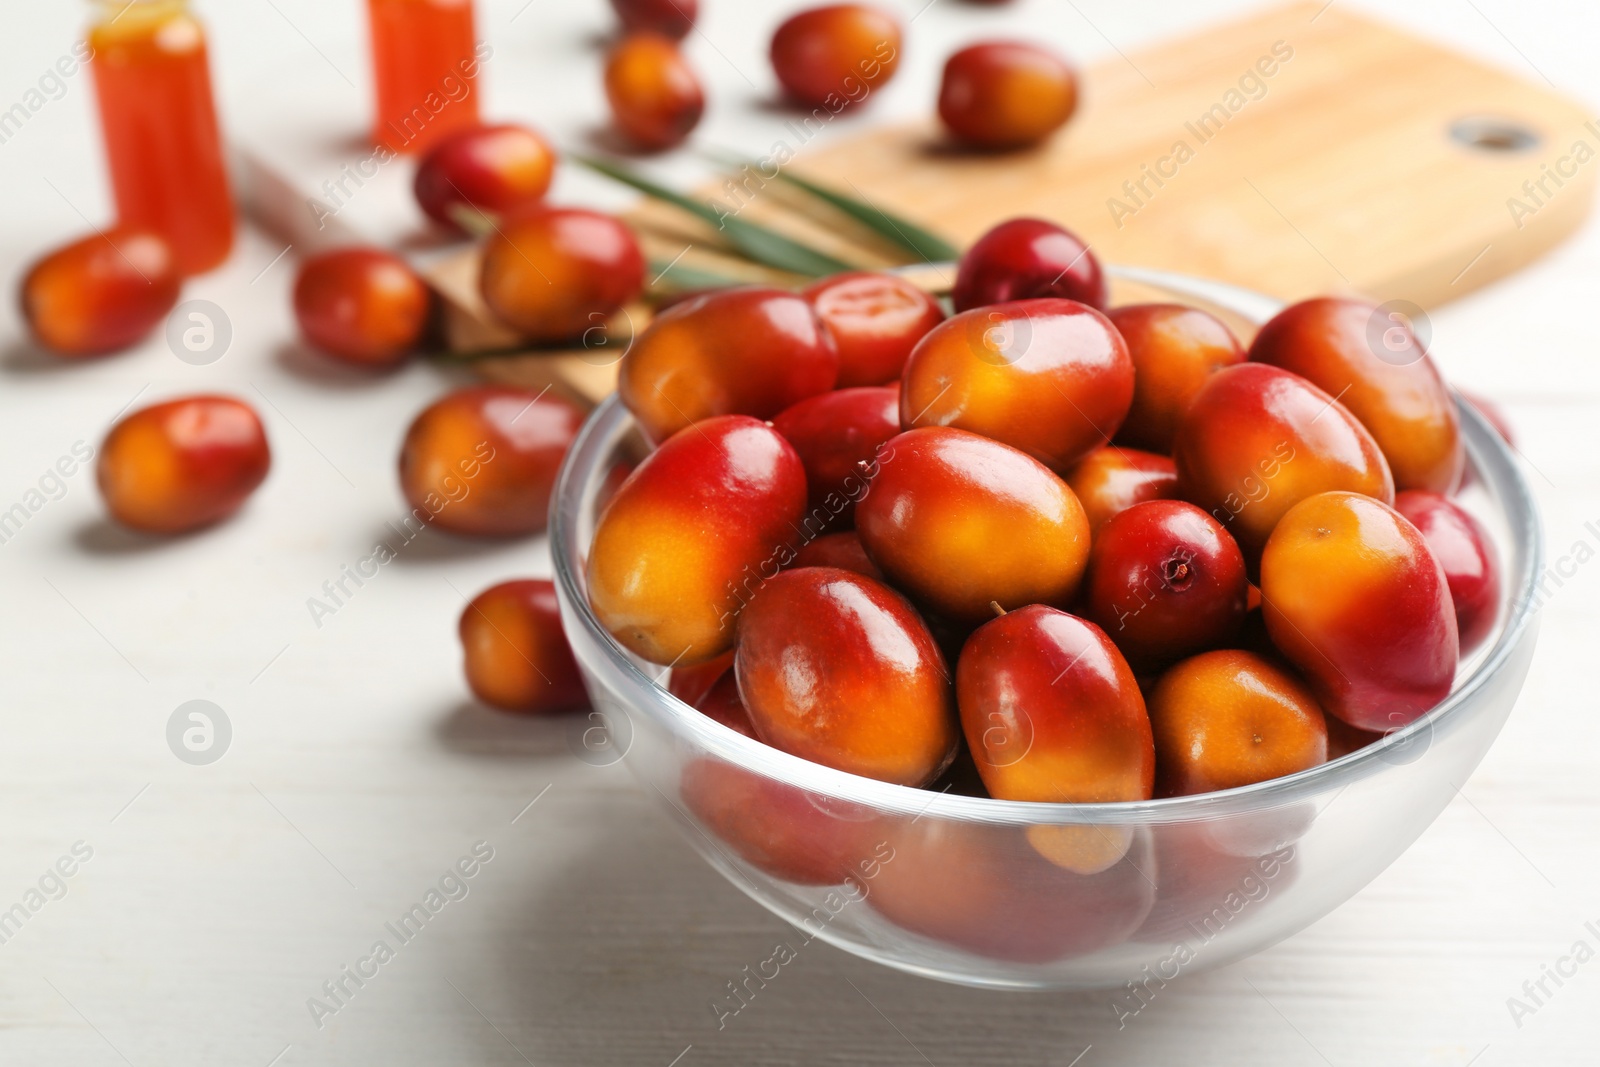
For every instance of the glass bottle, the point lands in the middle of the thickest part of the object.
(425, 66)
(153, 82)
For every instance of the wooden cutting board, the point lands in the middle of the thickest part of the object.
(1303, 150)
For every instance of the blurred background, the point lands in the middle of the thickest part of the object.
(209, 902)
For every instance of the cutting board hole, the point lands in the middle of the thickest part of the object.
(1493, 135)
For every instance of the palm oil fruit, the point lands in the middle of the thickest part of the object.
(100, 294)
(1006, 94)
(670, 18)
(876, 320)
(779, 829)
(1165, 580)
(1354, 598)
(471, 180)
(1344, 739)
(692, 535)
(982, 888)
(722, 703)
(833, 57)
(1257, 440)
(1379, 370)
(1026, 258)
(842, 550)
(1113, 479)
(691, 684)
(655, 96)
(841, 670)
(745, 351)
(1229, 718)
(1466, 552)
(1052, 712)
(1049, 376)
(552, 274)
(183, 464)
(516, 654)
(838, 434)
(1174, 350)
(362, 306)
(482, 460)
(1194, 878)
(960, 522)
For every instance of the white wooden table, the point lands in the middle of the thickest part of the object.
(217, 899)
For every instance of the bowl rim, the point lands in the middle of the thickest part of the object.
(1489, 457)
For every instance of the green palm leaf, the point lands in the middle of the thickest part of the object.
(896, 229)
(764, 246)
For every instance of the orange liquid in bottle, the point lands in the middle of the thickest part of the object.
(425, 67)
(160, 125)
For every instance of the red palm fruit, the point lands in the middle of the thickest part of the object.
(552, 274)
(834, 56)
(745, 351)
(656, 99)
(1051, 377)
(671, 18)
(836, 434)
(1006, 94)
(1466, 552)
(483, 173)
(1377, 368)
(781, 829)
(1257, 440)
(839, 669)
(1052, 712)
(516, 655)
(1229, 718)
(1174, 350)
(1165, 581)
(692, 534)
(1022, 259)
(101, 293)
(482, 461)
(876, 320)
(959, 522)
(183, 464)
(1379, 644)
(1112, 479)
(984, 889)
(362, 306)
(842, 550)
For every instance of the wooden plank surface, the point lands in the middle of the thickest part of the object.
(1305, 149)
(1302, 150)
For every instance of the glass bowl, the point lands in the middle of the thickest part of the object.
(958, 887)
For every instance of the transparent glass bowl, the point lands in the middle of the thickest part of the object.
(953, 887)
